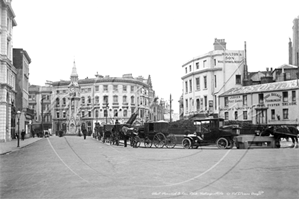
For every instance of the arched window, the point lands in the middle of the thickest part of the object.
(97, 99)
(132, 99)
(57, 101)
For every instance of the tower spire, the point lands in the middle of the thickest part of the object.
(74, 75)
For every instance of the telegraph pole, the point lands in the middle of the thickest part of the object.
(170, 107)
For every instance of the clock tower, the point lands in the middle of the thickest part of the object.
(73, 118)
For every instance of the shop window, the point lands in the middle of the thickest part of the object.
(273, 114)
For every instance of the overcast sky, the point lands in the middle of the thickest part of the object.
(147, 37)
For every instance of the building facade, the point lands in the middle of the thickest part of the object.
(273, 103)
(21, 62)
(8, 72)
(39, 100)
(208, 76)
(101, 99)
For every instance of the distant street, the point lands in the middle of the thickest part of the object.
(71, 167)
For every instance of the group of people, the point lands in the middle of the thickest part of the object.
(22, 135)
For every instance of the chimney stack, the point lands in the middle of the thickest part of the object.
(219, 44)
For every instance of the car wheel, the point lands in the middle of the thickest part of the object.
(222, 143)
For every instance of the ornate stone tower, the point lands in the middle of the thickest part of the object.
(74, 99)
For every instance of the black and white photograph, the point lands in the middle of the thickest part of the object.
(149, 99)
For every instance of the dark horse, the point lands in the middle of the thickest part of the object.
(282, 132)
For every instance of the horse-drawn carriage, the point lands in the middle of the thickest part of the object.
(192, 133)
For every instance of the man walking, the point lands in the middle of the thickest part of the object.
(83, 130)
(23, 134)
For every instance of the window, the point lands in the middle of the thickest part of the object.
(90, 113)
(244, 100)
(105, 113)
(115, 88)
(124, 88)
(186, 105)
(204, 63)
(124, 99)
(226, 101)
(185, 69)
(64, 114)
(132, 99)
(245, 115)
(215, 81)
(57, 101)
(64, 101)
(96, 88)
(238, 79)
(198, 83)
(285, 96)
(273, 114)
(89, 89)
(198, 104)
(115, 99)
(82, 113)
(57, 114)
(105, 88)
(105, 99)
(285, 113)
(97, 99)
(89, 100)
(132, 89)
(197, 65)
(215, 62)
(190, 85)
(226, 116)
(261, 98)
(293, 96)
(205, 102)
(82, 100)
(205, 82)
(115, 113)
(215, 102)
(96, 113)
(190, 68)
(186, 87)
(235, 115)
(125, 113)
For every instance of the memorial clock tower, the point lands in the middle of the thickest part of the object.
(74, 99)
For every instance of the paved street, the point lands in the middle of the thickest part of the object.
(71, 167)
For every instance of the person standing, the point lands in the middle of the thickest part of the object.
(83, 130)
(23, 134)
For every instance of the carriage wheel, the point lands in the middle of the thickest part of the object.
(171, 141)
(222, 143)
(147, 142)
(186, 143)
(230, 143)
(159, 140)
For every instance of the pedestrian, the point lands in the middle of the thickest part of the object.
(83, 130)
(23, 134)
(33, 133)
(17, 135)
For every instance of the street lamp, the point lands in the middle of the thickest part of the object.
(18, 116)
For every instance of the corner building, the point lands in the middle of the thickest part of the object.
(8, 72)
(101, 99)
(273, 103)
(208, 76)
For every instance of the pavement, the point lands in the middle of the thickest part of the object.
(10, 146)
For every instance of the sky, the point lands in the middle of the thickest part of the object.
(147, 37)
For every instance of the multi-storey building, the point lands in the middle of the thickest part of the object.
(40, 102)
(272, 103)
(8, 72)
(21, 62)
(209, 75)
(101, 99)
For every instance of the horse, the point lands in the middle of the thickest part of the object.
(283, 131)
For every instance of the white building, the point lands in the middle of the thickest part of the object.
(7, 71)
(208, 76)
(273, 103)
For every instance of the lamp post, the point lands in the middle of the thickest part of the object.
(18, 116)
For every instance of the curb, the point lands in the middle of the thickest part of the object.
(19, 148)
